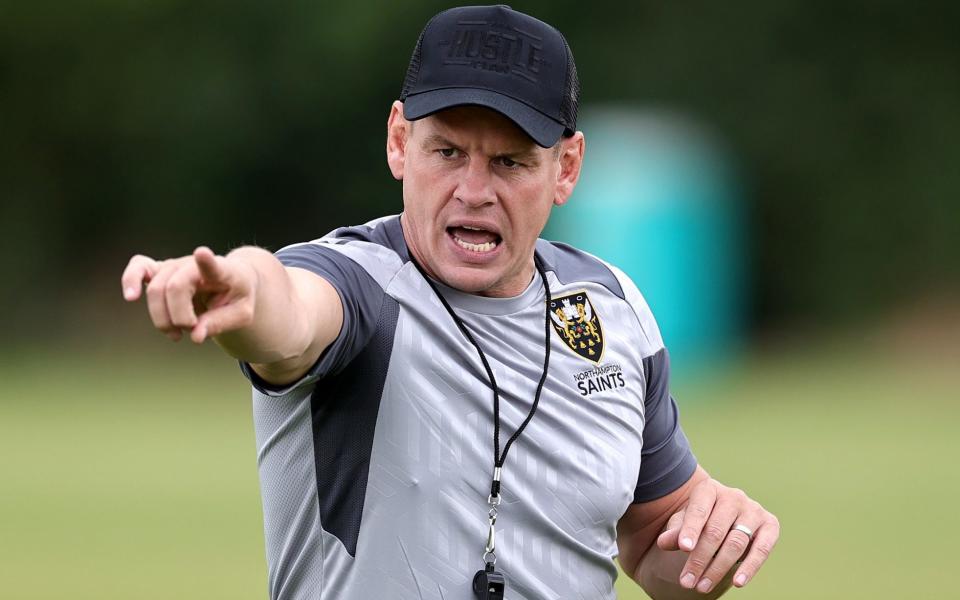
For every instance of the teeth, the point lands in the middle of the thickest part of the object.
(487, 247)
(471, 228)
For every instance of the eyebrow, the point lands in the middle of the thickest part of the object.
(438, 140)
(526, 155)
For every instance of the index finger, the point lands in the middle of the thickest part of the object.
(139, 270)
(209, 265)
(695, 515)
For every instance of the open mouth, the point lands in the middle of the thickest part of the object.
(474, 239)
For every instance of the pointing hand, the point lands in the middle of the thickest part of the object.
(203, 294)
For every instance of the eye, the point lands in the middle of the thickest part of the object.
(508, 162)
(447, 152)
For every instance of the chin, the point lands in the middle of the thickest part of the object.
(472, 280)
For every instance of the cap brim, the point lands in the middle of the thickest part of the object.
(544, 130)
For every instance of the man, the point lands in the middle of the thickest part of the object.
(396, 365)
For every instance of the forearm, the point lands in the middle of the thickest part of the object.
(659, 575)
(280, 331)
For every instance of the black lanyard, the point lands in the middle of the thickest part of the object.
(492, 584)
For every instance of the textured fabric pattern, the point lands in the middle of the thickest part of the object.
(421, 523)
(344, 420)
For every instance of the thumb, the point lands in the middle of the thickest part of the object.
(223, 319)
(669, 539)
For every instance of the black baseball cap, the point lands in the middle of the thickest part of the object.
(496, 57)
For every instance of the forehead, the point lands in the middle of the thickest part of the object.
(474, 125)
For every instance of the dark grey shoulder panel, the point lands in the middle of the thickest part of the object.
(570, 265)
(345, 408)
(360, 295)
(384, 232)
(666, 461)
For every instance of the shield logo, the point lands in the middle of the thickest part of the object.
(578, 325)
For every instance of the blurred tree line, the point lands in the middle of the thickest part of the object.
(155, 126)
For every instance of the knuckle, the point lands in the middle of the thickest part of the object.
(698, 511)
(696, 564)
(749, 568)
(181, 319)
(155, 289)
(246, 312)
(738, 544)
(713, 534)
(174, 286)
(763, 551)
(160, 320)
(177, 284)
(774, 521)
(718, 568)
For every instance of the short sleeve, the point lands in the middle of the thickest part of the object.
(666, 460)
(361, 297)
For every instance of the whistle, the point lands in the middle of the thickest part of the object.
(488, 584)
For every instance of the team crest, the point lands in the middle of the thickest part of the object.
(578, 325)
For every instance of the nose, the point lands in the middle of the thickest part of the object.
(475, 187)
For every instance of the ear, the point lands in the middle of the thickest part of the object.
(398, 132)
(571, 159)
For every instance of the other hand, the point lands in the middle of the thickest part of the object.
(707, 528)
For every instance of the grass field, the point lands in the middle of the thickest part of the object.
(130, 472)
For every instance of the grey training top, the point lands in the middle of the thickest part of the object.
(375, 467)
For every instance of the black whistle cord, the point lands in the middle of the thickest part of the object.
(499, 459)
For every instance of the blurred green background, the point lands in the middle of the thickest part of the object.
(127, 464)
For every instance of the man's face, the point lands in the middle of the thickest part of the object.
(477, 192)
